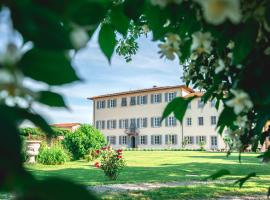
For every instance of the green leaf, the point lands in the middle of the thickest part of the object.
(51, 67)
(119, 20)
(51, 99)
(241, 181)
(245, 41)
(265, 156)
(107, 40)
(219, 174)
(178, 106)
(226, 118)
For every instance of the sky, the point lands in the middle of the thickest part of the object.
(99, 77)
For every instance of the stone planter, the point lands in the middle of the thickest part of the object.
(32, 147)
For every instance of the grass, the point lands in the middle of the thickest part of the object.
(165, 166)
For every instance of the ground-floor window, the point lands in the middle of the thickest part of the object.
(122, 139)
(156, 139)
(213, 140)
(189, 139)
(170, 139)
(200, 139)
(143, 139)
(111, 139)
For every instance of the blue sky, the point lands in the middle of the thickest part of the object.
(145, 70)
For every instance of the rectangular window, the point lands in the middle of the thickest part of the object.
(171, 96)
(124, 102)
(122, 139)
(200, 121)
(132, 101)
(213, 103)
(189, 105)
(144, 123)
(189, 121)
(126, 124)
(214, 141)
(97, 125)
(111, 124)
(156, 98)
(101, 104)
(143, 99)
(103, 124)
(111, 139)
(170, 139)
(121, 124)
(111, 103)
(170, 121)
(213, 120)
(143, 139)
(200, 139)
(155, 122)
(156, 139)
(189, 139)
(200, 103)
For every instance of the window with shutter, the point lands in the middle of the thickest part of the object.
(120, 139)
(152, 139)
(152, 98)
(166, 97)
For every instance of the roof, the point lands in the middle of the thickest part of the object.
(184, 87)
(65, 125)
(194, 94)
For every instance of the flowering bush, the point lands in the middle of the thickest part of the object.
(111, 162)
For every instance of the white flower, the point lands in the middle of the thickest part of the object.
(201, 42)
(267, 51)
(241, 101)
(231, 45)
(145, 29)
(241, 121)
(170, 47)
(203, 70)
(164, 3)
(220, 67)
(6, 77)
(79, 38)
(11, 55)
(216, 11)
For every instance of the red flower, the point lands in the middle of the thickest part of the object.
(97, 165)
(119, 156)
(98, 151)
(104, 148)
(119, 151)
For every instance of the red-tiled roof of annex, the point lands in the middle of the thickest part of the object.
(65, 125)
(184, 87)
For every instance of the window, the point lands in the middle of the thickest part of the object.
(111, 103)
(155, 122)
(143, 99)
(170, 96)
(213, 140)
(144, 123)
(156, 98)
(189, 121)
(111, 124)
(200, 103)
(156, 139)
(141, 123)
(170, 139)
(103, 124)
(132, 101)
(133, 122)
(126, 124)
(122, 139)
(124, 102)
(213, 103)
(170, 121)
(200, 121)
(200, 139)
(101, 104)
(189, 105)
(123, 123)
(111, 139)
(213, 120)
(100, 124)
(189, 139)
(143, 139)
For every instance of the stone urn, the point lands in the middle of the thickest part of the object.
(32, 147)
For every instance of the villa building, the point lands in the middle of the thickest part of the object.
(132, 119)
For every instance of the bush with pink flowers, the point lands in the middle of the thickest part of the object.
(111, 162)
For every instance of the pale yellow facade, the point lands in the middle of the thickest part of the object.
(121, 130)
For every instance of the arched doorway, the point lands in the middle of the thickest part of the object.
(132, 142)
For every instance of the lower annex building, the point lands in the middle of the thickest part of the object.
(132, 119)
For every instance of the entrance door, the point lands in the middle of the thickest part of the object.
(132, 142)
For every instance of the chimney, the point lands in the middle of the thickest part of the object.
(154, 86)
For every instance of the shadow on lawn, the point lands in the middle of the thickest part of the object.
(163, 173)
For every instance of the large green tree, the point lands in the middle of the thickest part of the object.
(222, 45)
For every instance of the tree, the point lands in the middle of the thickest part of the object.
(223, 46)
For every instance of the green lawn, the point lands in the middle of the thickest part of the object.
(164, 166)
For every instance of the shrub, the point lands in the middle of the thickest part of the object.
(111, 162)
(54, 155)
(93, 155)
(32, 133)
(83, 140)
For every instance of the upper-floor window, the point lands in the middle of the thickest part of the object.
(111, 124)
(142, 100)
(124, 102)
(100, 124)
(170, 121)
(156, 139)
(111, 103)
(132, 101)
(200, 103)
(213, 120)
(189, 121)
(189, 139)
(155, 122)
(133, 122)
(200, 121)
(189, 105)
(141, 122)
(143, 139)
(101, 104)
(111, 139)
(170, 139)
(213, 103)
(170, 96)
(200, 139)
(123, 123)
(156, 98)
